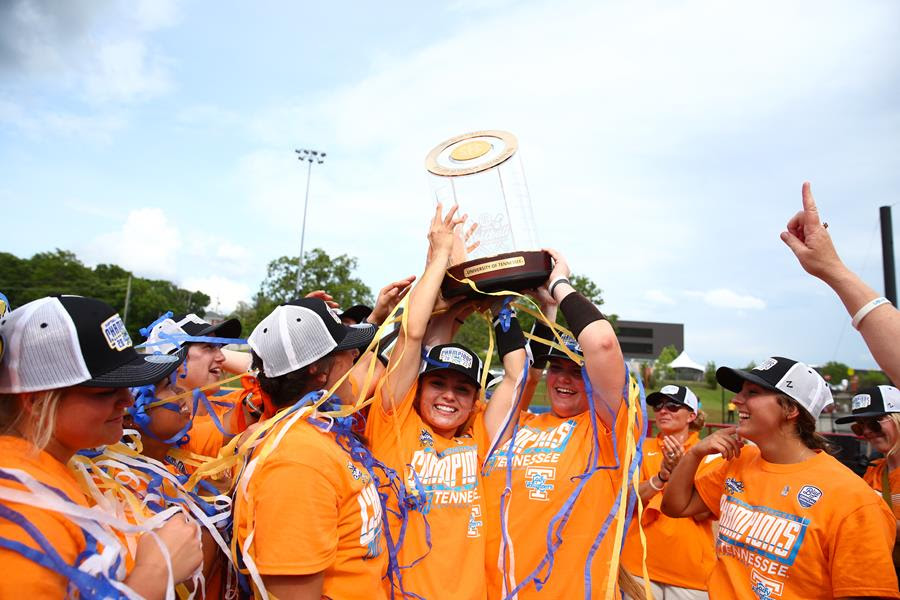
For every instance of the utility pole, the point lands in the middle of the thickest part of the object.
(310, 156)
(887, 255)
(127, 301)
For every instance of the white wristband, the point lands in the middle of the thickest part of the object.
(658, 489)
(865, 310)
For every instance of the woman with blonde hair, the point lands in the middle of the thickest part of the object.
(64, 377)
(876, 418)
(794, 523)
(679, 420)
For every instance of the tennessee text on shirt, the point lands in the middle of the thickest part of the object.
(449, 477)
(762, 538)
(533, 446)
(370, 512)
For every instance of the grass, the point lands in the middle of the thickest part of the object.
(710, 399)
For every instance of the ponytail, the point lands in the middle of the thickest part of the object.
(629, 586)
(806, 426)
(698, 423)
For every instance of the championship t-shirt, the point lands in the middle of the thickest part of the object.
(874, 476)
(548, 452)
(21, 577)
(806, 530)
(449, 473)
(691, 565)
(312, 509)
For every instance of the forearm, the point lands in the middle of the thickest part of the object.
(680, 493)
(647, 491)
(424, 295)
(236, 362)
(880, 328)
(148, 580)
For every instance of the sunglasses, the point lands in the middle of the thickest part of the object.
(670, 406)
(872, 424)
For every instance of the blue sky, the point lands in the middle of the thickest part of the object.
(664, 143)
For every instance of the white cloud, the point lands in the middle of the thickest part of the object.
(725, 298)
(123, 70)
(155, 14)
(224, 293)
(659, 297)
(36, 123)
(147, 244)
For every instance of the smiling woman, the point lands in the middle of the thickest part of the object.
(793, 521)
(64, 380)
(429, 423)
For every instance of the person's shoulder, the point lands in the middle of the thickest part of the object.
(831, 474)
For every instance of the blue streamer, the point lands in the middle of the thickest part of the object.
(145, 331)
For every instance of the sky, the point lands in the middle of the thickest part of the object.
(664, 143)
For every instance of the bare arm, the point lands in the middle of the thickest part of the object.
(403, 367)
(295, 587)
(236, 362)
(514, 368)
(148, 577)
(603, 358)
(811, 243)
(680, 498)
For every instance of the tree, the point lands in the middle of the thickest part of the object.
(320, 272)
(666, 356)
(873, 378)
(710, 375)
(834, 371)
(60, 272)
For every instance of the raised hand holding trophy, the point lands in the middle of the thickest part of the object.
(481, 172)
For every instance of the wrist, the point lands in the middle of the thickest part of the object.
(660, 477)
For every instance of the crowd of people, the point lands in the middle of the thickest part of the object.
(366, 454)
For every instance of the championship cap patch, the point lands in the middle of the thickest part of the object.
(456, 356)
(669, 389)
(115, 333)
(861, 401)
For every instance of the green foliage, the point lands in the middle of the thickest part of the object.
(666, 356)
(320, 272)
(710, 375)
(834, 371)
(873, 378)
(60, 272)
(750, 365)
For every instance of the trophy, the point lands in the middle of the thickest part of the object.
(481, 172)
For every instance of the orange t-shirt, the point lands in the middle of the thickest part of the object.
(22, 577)
(874, 476)
(450, 472)
(205, 437)
(312, 509)
(691, 565)
(797, 531)
(548, 452)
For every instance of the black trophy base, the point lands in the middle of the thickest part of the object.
(513, 271)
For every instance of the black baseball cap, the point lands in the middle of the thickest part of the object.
(62, 341)
(453, 356)
(302, 331)
(674, 393)
(873, 402)
(357, 313)
(784, 376)
(543, 352)
(199, 327)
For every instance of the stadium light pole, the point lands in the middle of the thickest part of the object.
(310, 156)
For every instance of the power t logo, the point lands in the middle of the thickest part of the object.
(536, 480)
(475, 522)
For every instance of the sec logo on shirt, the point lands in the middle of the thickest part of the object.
(808, 495)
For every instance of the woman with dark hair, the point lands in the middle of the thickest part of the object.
(680, 575)
(67, 364)
(429, 422)
(307, 513)
(793, 522)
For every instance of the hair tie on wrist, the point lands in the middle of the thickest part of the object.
(556, 282)
(666, 480)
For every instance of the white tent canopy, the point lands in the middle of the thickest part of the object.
(686, 362)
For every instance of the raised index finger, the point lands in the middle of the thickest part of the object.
(809, 206)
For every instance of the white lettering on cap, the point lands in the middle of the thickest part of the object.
(115, 333)
(861, 401)
(457, 356)
(669, 389)
(766, 365)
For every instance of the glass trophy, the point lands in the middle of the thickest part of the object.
(482, 173)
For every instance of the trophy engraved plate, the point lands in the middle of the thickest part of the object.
(482, 173)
